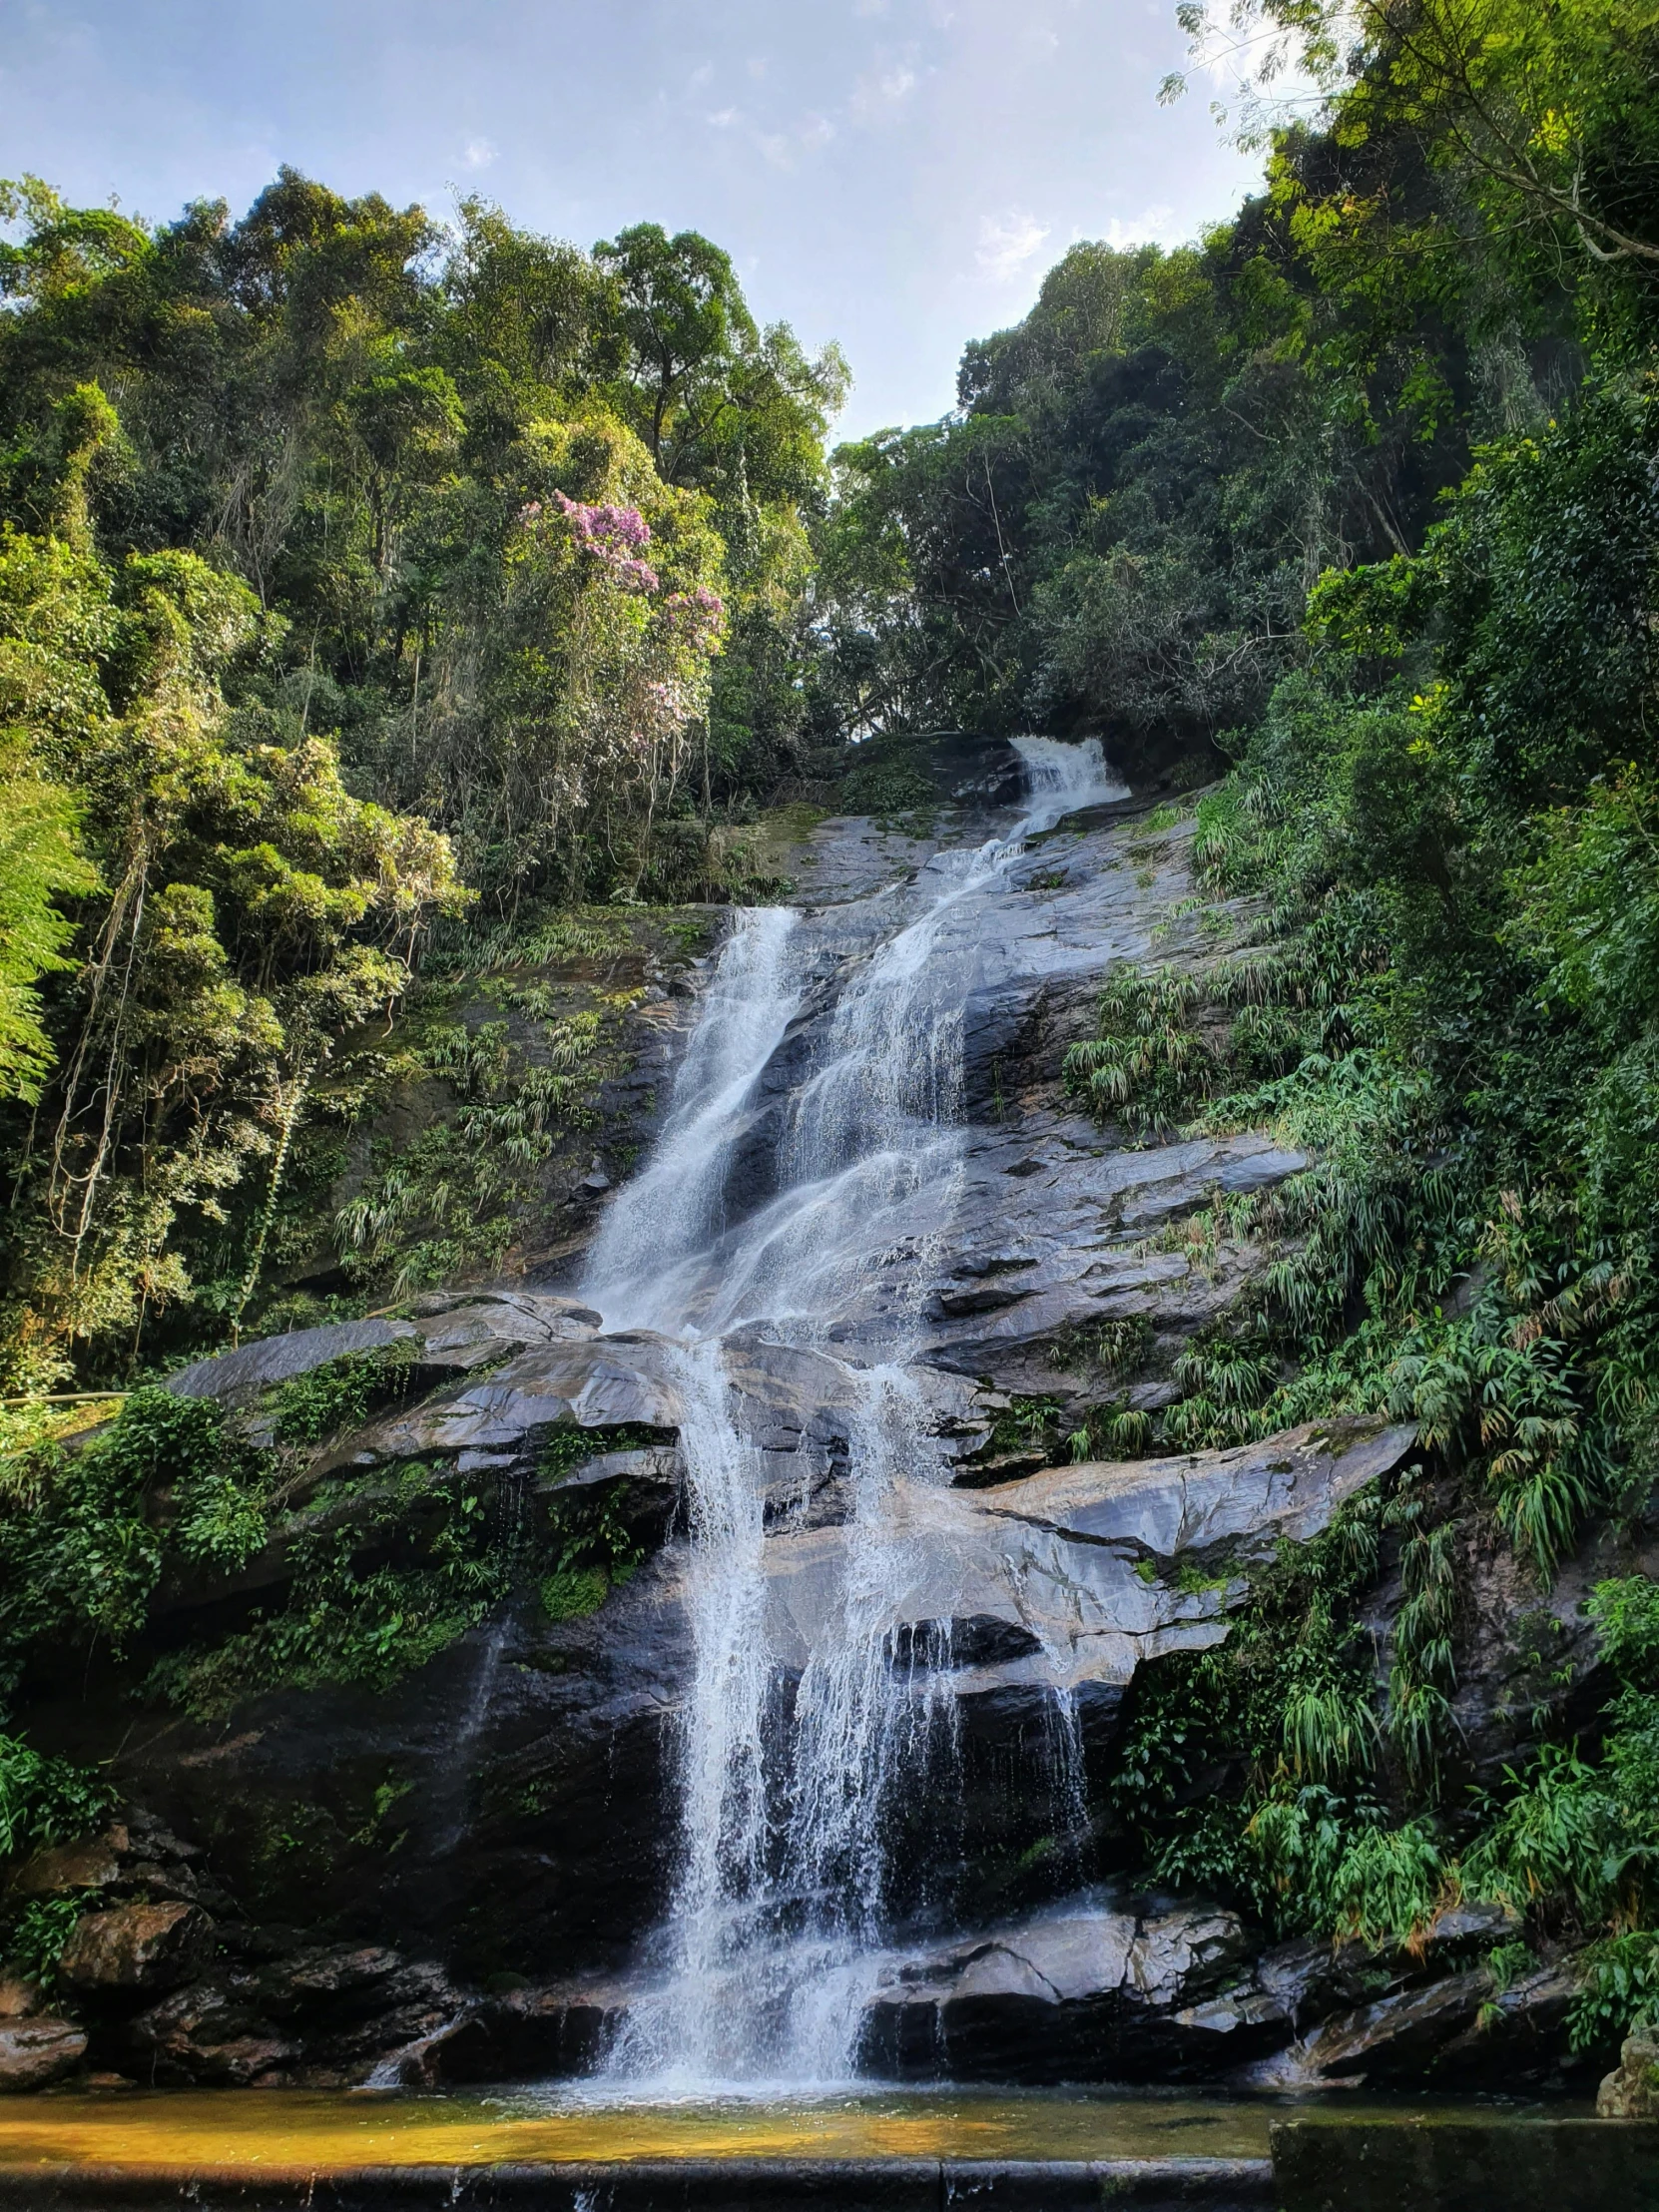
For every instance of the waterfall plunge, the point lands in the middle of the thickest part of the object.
(772, 1937)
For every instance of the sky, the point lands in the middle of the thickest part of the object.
(896, 175)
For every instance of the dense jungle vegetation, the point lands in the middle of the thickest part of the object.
(372, 592)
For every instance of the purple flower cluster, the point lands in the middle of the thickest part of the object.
(701, 612)
(614, 535)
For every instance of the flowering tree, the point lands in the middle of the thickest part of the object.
(564, 725)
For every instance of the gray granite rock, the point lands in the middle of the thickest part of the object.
(239, 1377)
(1086, 1992)
(1085, 1560)
(1398, 2038)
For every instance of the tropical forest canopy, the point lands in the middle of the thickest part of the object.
(372, 588)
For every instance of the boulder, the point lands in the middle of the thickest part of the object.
(94, 1864)
(598, 1383)
(1398, 2038)
(35, 2053)
(1519, 2039)
(1085, 1993)
(1631, 2090)
(19, 1997)
(137, 1946)
(314, 1977)
(463, 1330)
(449, 1330)
(208, 2035)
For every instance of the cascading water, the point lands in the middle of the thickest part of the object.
(777, 1912)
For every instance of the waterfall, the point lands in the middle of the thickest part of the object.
(774, 1927)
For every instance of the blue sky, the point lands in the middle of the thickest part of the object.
(895, 173)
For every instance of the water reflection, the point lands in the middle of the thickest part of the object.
(270, 2131)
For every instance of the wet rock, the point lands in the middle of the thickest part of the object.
(1400, 2038)
(312, 1978)
(35, 2053)
(136, 1946)
(463, 1330)
(92, 1865)
(1518, 2040)
(449, 1329)
(1471, 1921)
(1631, 2090)
(1089, 1993)
(208, 2035)
(1173, 1957)
(602, 1382)
(659, 1467)
(532, 2033)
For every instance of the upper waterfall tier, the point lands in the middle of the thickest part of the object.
(815, 1123)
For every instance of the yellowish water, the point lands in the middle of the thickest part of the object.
(272, 2131)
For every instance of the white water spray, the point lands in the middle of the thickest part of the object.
(772, 1937)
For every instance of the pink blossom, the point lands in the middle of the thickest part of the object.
(605, 527)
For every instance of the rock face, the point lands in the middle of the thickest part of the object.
(446, 1330)
(1075, 1995)
(1078, 1566)
(507, 1812)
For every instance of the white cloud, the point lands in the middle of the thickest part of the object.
(1007, 243)
(478, 153)
(884, 89)
(757, 65)
(1155, 224)
(784, 148)
(869, 7)
(699, 76)
(723, 118)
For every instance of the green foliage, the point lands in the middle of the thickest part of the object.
(887, 786)
(340, 1395)
(444, 1206)
(1555, 1837)
(45, 1800)
(39, 858)
(595, 1536)
(1147, 1068)
(250, 911)
(1026, 1424)
(1620, 1994)
(1285, 1711)
(340, 558)
(37, 1935)
(570, 1593)
(81, 1542)
(1335, 1869)
(345, 1620)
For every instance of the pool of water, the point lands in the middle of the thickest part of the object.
(266, 2131)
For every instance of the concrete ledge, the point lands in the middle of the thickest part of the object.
(1497, 2165)
(660, 2186)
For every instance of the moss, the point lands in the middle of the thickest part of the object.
(573, 1592)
